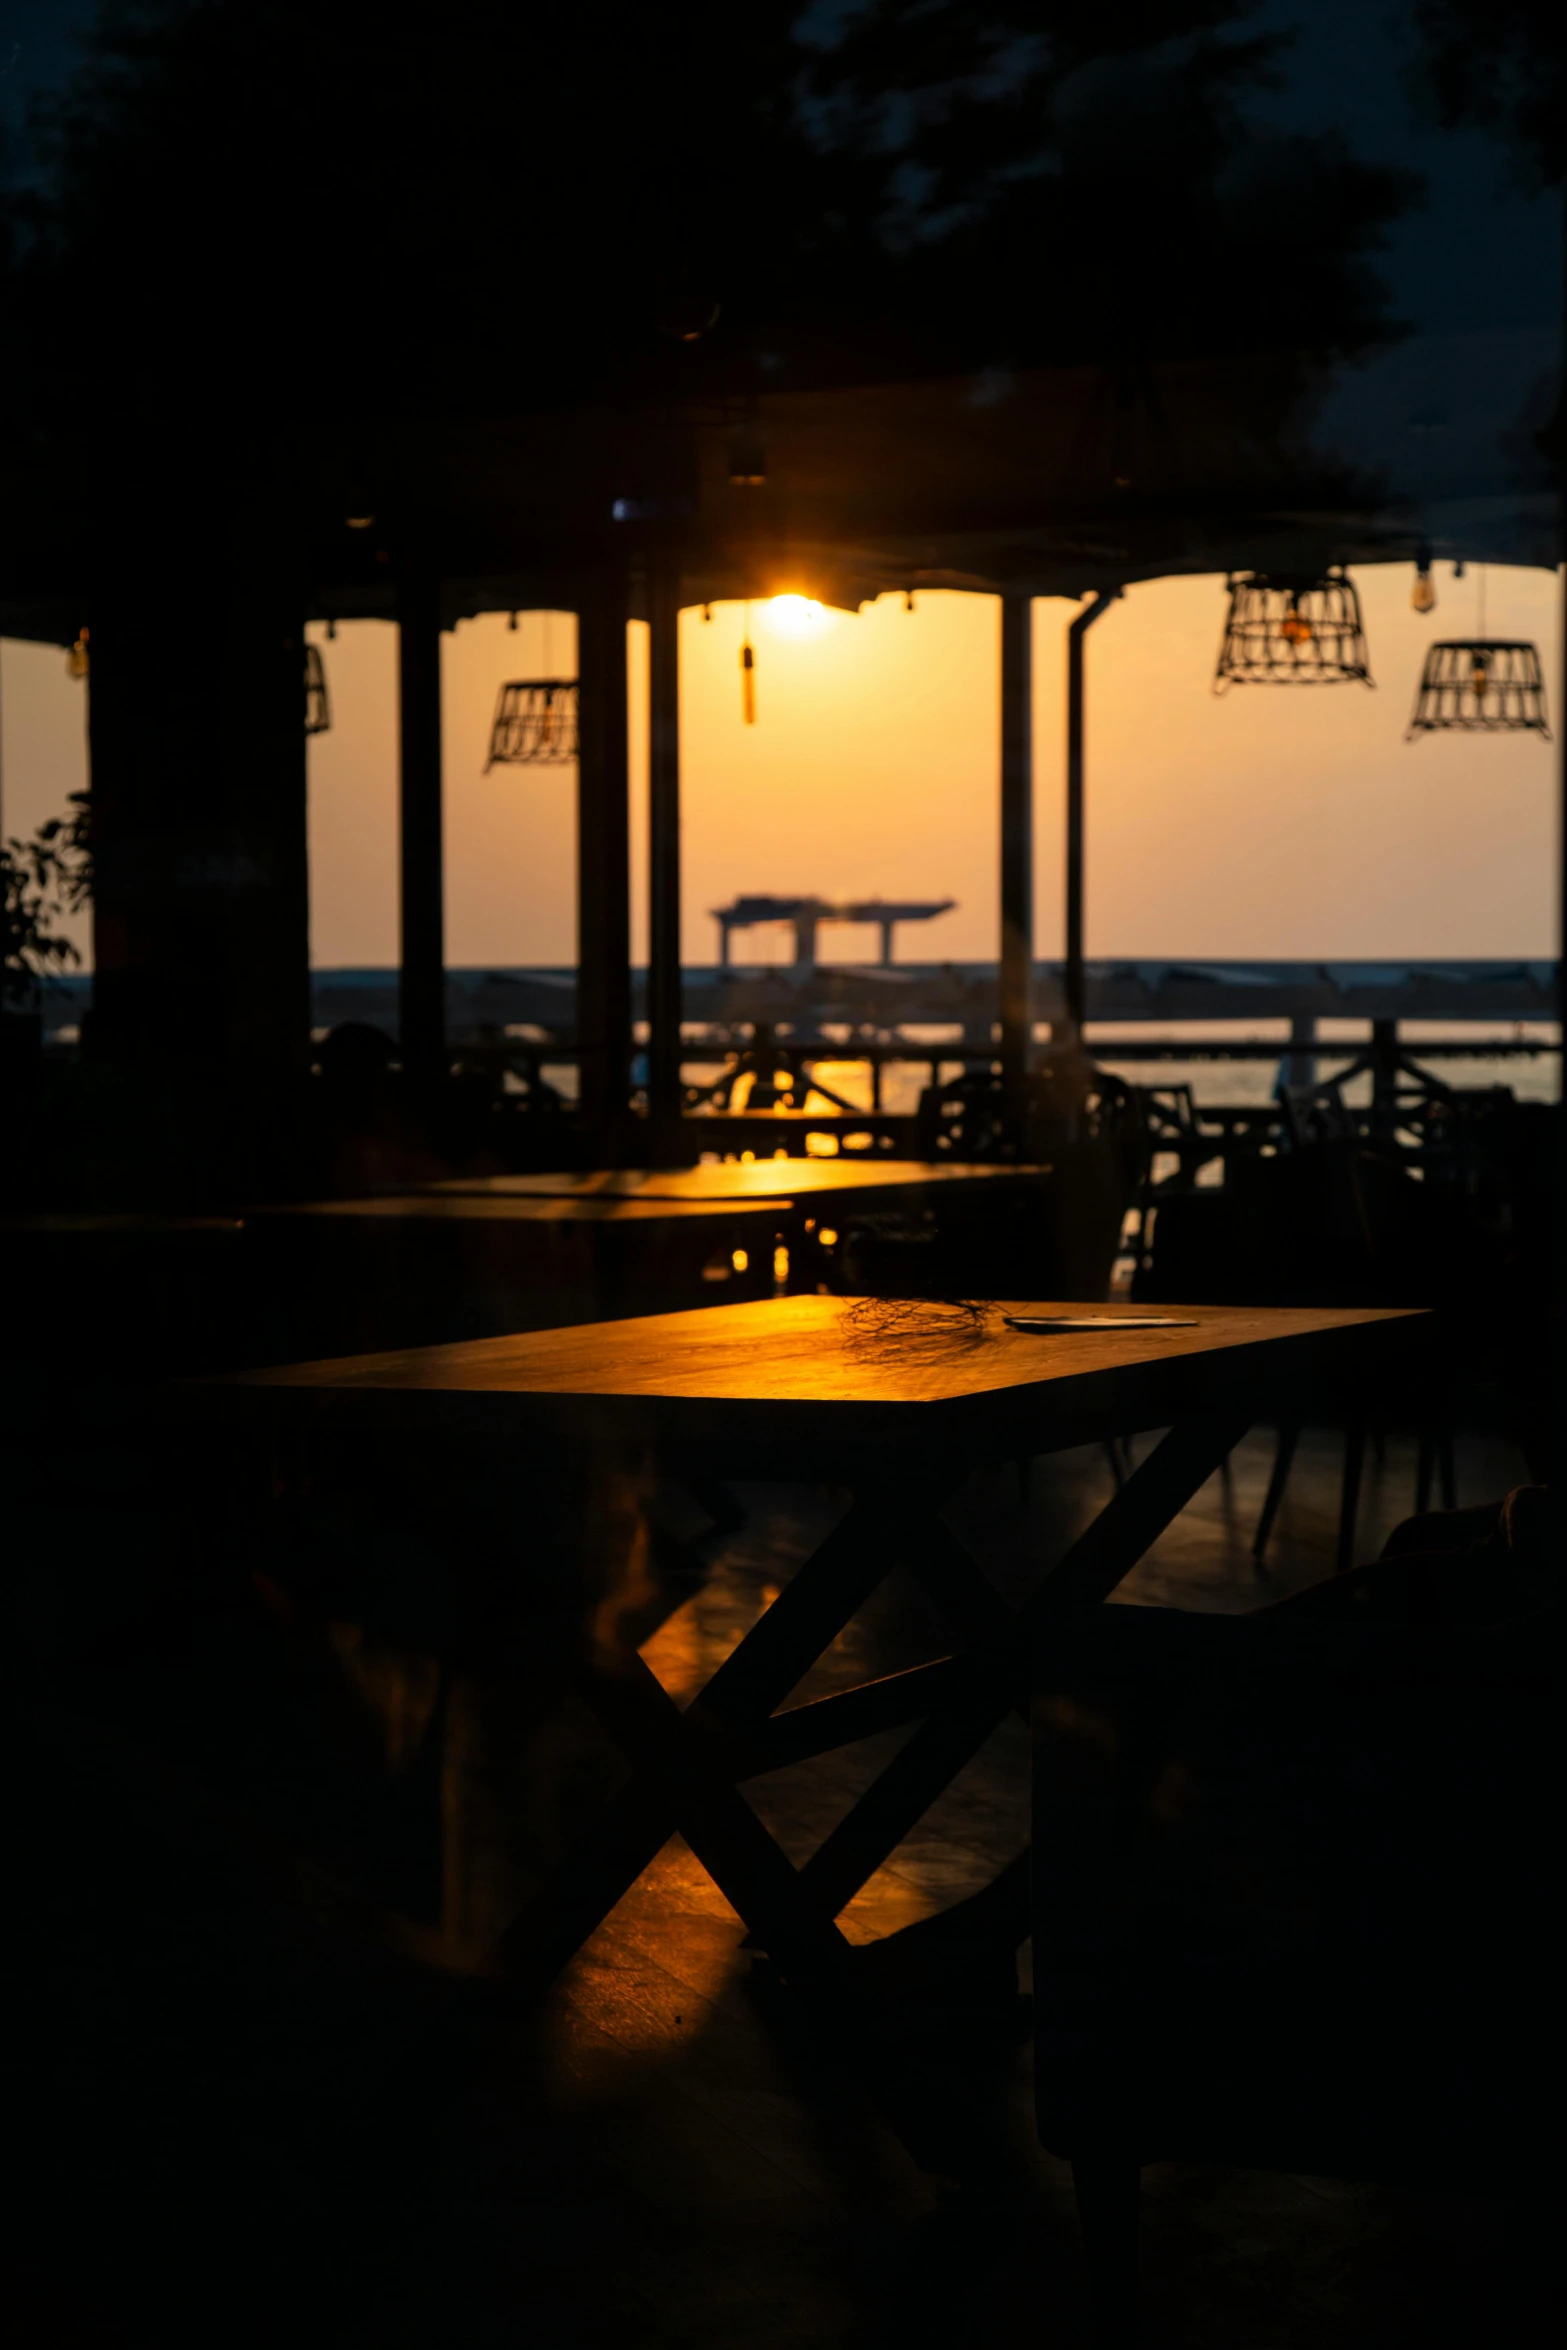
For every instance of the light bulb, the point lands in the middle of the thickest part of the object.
(1422, 596)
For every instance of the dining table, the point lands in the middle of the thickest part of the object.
(950, 1224)
(351, 1275)
(893, 1405)
(849, 1176)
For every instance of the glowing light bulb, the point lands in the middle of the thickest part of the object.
(1295, 628)
(1422, 596)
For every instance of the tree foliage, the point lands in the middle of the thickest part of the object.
(1502, 64)
(43, 879)
(488, 207)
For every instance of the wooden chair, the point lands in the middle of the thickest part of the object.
(1327, 1221)
(1058, 1238)
(1295, 1903)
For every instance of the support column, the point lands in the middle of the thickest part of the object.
(1384, 1079)
(1299, 1065)
(663, 960)
(1017, 834)
(200, 894)
(421, 990)
(1076, 989)
(603, 862)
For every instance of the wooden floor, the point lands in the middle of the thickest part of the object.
(247, 2119)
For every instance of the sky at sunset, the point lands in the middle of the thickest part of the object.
(1269, 822)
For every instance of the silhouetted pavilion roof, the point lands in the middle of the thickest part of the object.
(1052, 482)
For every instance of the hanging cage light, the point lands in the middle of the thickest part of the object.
(1295, 629)
(318, 704)
(535, 723)
(1487, 685)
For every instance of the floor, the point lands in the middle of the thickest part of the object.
(252, 2113)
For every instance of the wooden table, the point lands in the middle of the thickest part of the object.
(756, 1179)
(101, 1297)
(992, 1225)
(359, 1274)
(816, 1389)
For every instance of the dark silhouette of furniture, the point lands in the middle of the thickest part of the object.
(939, 1211)
(1295, 1902)
(812, 1390)
(1328, 1220)
(1087, 1125)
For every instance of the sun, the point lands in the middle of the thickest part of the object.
(800, 618)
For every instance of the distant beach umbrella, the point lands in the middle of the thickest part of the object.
(1487, 685)
(535, 724)
(1292, 630)
(318, 705)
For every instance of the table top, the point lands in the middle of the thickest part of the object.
(755, 1179)
(461, 1208)
(800, 1371)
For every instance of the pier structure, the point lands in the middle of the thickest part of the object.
(807, 914)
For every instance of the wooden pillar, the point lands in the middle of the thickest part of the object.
(1384, 1080)
(1076, 987)
(663, 962)
(421, 987)
(196, 743)
(1299, 1065)
(1017, 833)
(603, 861)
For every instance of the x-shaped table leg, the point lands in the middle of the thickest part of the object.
(687, 1764)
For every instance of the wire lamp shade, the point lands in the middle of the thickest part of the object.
(1480, 684)
(1292, 631)
(535, 724)
(318, 704)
